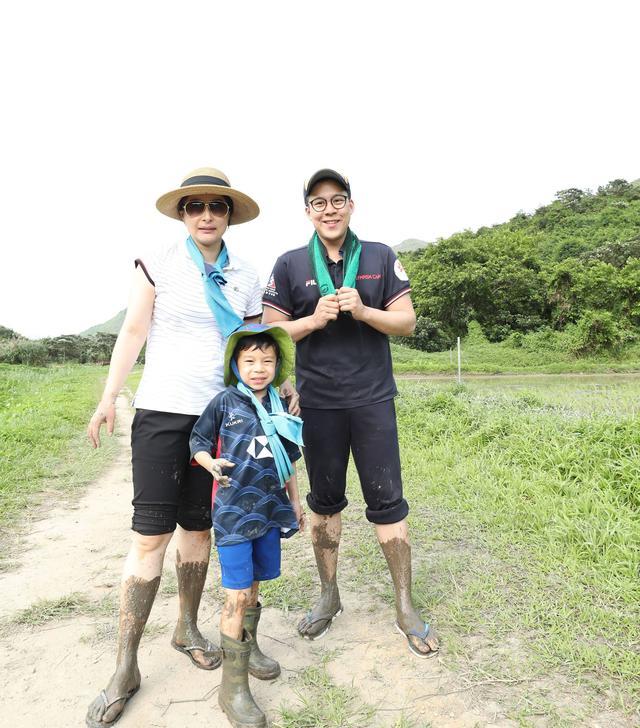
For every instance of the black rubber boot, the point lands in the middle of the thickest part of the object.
(260, 666)
(234, 696)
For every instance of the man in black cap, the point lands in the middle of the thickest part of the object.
(340, 298)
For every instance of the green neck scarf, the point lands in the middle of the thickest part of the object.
(318, 258)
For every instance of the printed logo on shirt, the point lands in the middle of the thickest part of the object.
(400, 272)
(310, 282)
(271, 290)
(369, 277)
(258, 447)
(233, 420)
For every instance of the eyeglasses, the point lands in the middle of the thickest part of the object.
(319, 204)
(218, 208)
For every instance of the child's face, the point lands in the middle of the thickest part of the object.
(257, 367)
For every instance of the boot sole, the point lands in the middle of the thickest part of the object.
(265, 676)
(242, 724)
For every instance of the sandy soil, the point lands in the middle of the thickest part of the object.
(49, 674)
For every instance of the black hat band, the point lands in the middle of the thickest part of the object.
(204, 180)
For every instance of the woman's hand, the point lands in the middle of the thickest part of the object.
(216, 470)
(290, 393)
(300, 514)
(105, 412)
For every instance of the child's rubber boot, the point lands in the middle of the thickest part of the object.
(234, 696)
(260, 666)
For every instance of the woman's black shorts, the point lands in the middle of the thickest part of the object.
(167, 489)
(371, 434)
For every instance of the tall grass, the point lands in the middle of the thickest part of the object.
(546, 486)
(43, 416)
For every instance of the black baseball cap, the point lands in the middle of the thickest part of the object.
(325, 174)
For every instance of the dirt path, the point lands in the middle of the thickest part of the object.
(50, 673)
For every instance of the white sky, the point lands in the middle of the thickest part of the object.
(445, 116)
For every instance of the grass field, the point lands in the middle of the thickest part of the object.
(524, 501)
(486, 358)
(43, 448)
(525, 535)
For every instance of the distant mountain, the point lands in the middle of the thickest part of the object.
(6, 333)
(112, 326)
(410, 244)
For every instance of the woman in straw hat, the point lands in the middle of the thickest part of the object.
(186, 301)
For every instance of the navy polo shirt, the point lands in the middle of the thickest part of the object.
(348, 363)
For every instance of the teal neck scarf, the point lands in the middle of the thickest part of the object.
(318, 259)
(226, 318)
(276, 424)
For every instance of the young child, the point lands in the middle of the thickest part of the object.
(246, 439)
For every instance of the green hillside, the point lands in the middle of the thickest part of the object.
(112, 326)
(410, 244)
(573, 266)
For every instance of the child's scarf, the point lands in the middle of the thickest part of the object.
(226, 318)
(351, 260)
(276, 424)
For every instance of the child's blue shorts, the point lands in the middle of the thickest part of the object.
(243, 563)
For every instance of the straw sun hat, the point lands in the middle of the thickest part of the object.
(209, 181)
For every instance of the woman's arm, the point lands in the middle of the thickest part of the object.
(125, 352)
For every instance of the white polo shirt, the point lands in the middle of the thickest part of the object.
(185, 350)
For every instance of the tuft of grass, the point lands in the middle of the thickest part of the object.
(323, 703)
(46, 610)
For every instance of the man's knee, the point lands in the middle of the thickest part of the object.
(325, 507)
(393, 513)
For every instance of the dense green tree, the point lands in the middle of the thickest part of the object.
(579, 254)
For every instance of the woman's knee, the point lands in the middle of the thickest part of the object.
(150, 545)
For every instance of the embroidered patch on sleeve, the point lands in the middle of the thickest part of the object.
(400, 272)
(270, 290)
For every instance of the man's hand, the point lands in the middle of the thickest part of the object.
(290, 393)
(327, 309)
(349, 300)
(216, 471)
(105, 412)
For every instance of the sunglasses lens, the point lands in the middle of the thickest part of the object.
(218, 208)
(194, 207)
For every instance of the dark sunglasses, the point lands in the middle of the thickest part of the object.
(218, 208)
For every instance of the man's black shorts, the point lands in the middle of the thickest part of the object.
(371, 434)
(167, 489)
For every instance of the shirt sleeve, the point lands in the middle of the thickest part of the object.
(205, 431)
(254, 304)
(277, 294)
(293, 451)
(151, 265)
(396, 280)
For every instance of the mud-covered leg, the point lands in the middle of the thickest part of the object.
(192, 562)
(325, 535)
(394, 541)
(137, 594)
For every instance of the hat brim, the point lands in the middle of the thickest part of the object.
(282, 338)
(244, 208)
